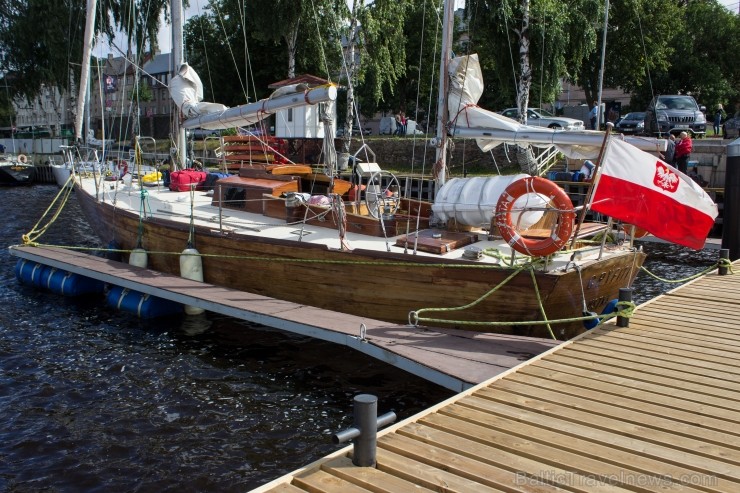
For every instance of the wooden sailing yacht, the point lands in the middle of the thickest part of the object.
(500, 254)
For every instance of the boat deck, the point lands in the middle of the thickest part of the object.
(651, 407)
(454, 359)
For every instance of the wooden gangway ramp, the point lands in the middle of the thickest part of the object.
(651, 407)
(454, 359)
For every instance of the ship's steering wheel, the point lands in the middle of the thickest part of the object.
(382, 199)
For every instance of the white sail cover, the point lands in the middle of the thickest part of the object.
(466, 88)
(92, 141)
(186, 90)
(491, 129)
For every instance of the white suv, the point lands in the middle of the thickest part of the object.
(543, 118)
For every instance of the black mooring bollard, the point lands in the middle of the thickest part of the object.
(724, 254)
(625, 294)
(364, 429)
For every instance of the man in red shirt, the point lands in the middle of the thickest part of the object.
(683, 151)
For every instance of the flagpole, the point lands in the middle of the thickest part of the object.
(591, 186)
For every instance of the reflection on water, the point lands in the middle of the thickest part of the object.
(95, 400)
(669, 262)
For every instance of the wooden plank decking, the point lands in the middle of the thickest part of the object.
(652, 407)
(455, 359)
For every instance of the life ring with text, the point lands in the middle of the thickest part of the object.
(22, 158)
(539, 247)
(122, 167)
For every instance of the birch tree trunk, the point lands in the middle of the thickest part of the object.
(525, 76)
(351, 68)
(292, 41)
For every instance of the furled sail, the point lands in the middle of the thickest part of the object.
(490, 129)
(186, 90)
(93, 142)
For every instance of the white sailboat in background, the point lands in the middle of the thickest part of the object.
(290, 232)
(73, 156)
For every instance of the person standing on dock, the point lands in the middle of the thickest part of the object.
(594, 115)
(670, 150)
(683, 152)
(718, 116)
(399, 124)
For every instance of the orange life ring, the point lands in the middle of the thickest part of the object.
(558, 198)
(122, 166)
(22, 158)
(638, 232)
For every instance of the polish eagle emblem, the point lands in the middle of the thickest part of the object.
(665, 177)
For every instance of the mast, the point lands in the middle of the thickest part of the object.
(599, 114)
(440, 164)
(85, 71)
(178, 56)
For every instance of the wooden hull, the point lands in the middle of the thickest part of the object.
(379, 285)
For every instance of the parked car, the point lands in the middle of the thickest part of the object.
(543, 118)
(631, 123)
(675, 114)
(731, 127)
(355, 131)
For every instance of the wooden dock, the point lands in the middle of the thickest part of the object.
(454, 359)
(651, 407)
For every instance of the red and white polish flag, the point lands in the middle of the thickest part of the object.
(640, 189)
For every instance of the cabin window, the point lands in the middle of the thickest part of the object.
(290, 114)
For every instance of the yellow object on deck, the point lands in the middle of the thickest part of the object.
(152, 177)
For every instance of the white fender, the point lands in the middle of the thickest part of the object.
(191, 267)
(138, 258)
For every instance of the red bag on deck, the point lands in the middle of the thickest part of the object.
(181, 181)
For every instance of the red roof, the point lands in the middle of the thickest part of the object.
(310, 80)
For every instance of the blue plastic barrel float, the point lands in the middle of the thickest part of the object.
(56, 280)
(140, 304)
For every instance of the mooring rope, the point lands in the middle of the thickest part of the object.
(723, 262)
(62, 196)
(414, 317)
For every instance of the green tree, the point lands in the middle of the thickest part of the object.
(705, 61)
(560, 34)
(382, 45)
(41, 40)
(374, 34)
(234, 66)
(415, 89)
(238, 51)
(300, 26)
(637, 47)
(139, 20)
(7, 114)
